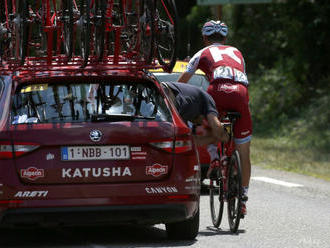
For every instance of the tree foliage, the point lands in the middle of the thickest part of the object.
(286, 48)
(292, 34)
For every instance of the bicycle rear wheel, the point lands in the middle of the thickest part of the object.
(99, 28)
(21, 30)
(67, 32)
(146, 30)
(216, 199)
(234, 192)
(130, 34)
(85, 30)
(166, 33)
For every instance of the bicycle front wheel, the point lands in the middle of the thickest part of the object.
(234, 192)
(216, 194)
(166, 33)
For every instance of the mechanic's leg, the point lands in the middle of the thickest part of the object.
(244, 152)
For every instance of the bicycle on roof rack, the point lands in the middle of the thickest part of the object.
(120, 28)
(88, 32)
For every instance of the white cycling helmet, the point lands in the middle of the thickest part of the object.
(212, 27)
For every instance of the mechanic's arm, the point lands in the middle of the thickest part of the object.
(185, 76)
(217, 130)
(214, 134)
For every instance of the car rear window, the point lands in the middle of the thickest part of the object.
(84, 102)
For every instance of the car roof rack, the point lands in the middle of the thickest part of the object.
(61, 63)
(39, 67)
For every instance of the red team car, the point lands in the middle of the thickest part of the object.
(95, 147)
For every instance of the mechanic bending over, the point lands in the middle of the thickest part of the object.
(195, 105)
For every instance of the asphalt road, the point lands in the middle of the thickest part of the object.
(284, 210)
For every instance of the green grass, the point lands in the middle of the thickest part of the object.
(286, 154)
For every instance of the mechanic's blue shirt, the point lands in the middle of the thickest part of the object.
(192, 101)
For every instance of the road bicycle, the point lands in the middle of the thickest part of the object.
(123, 28)
(131, 28)
(106, 31)
(134, 29)
(37, 28)
(226, 184)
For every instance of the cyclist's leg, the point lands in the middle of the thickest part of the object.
(243, 135)
(244, 153)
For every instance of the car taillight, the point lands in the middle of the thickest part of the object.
(7, 150)
(183, 145)
(179, 145)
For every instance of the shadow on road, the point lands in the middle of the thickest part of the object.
(96, 236)
(211, 231)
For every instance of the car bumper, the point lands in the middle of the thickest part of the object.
(68, 216)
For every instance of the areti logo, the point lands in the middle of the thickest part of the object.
(32, 173)
(156, 170)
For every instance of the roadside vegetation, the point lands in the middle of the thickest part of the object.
(286, 50)
(292, 138)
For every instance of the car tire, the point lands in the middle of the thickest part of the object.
(183, 230)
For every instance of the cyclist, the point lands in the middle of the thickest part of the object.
(224, 67)
(194, 105)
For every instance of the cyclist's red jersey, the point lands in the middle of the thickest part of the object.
(224, 67)
(219, 62)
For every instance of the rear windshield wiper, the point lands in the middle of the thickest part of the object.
(118, 117)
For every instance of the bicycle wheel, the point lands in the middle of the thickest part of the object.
(146, 33)
(216, 199)
(166, 33)
(67, 32)
(3, 31)
(130, 33)
(234, 192)
(21, 31)
(85, 31)
(99, 28)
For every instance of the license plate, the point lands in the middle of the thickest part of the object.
(79, 153)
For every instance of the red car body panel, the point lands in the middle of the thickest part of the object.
(151, 186)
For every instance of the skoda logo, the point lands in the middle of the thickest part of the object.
(95, 135)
